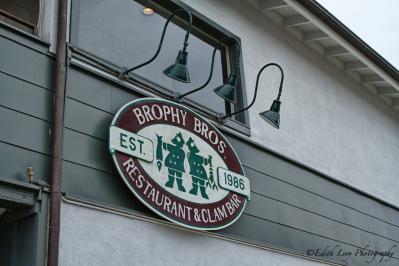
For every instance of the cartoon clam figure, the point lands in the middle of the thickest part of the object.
(197, 170)
(174, 161)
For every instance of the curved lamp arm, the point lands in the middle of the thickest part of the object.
(124, 72)
(256, 89)
(236, 66)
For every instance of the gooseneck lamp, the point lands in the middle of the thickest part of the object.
(178, 70)
(271, 116)
(228, 89)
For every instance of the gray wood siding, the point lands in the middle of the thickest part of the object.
(291, 207)
(26, 120)
(25, 106)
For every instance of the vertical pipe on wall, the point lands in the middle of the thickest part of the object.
(57, 135)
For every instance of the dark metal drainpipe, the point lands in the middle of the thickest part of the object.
(57, 135)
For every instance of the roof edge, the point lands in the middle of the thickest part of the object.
(330, 20)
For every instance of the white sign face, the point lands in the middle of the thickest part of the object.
(212, 160)
(130, 143)
(234, 182)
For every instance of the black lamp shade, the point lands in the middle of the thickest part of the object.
(272, 116)
(228, 90)
(178, 70)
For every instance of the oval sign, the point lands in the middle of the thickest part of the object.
(170, 158)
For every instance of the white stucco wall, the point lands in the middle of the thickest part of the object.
(328, 121)
(92, 237)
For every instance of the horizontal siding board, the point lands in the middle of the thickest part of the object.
(253, 157)
(262, 207)
(36, 67)
(89, 89)
(99, 186)
(25, 97)
(385, 212)
(87, 119)
(385, 229)
(298, 176)
(23, 38)
(14, 161)
(267, 232)
(97, 92)
(88, 151)
(270, 187)
(308, 222)
(120, 97)
(24, 131)
(359, 220)
(324, 207)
